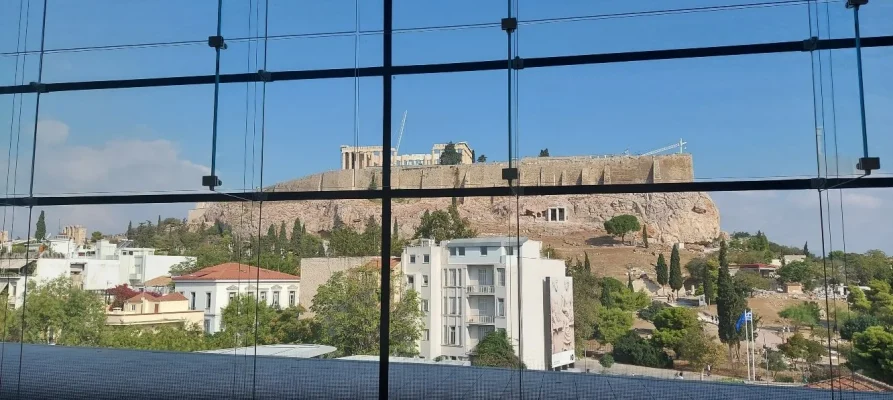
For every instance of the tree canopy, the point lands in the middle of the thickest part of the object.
(873, 353)
(544, 152)
(633, 349)
(611, 324)
(40, 231)
(495, 350)
(803, 314)
(674, 323)
(622, 225)
(444, 225)
(450, 156)
(675, 279)
(663, 274)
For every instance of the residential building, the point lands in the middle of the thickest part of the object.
(471, 287)
(765, 270)
(147, 311)
(212, 288)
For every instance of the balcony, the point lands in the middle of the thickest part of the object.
(481, 319)
(480, 289)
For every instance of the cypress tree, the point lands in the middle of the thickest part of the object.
(645, 235)
(282, 243)
(40, 233)
(675, 270)
(709, 289)
(586, 264)
(296, 232)
(662, 272)
(129, 233)
(729, 305)
(395, 235)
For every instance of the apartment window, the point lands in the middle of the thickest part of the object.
(192, 302)
(452, 306)
(452, 277)
(263, 297)
(424, 280)
(461, 251)
(133, 307)
(509, 250)
(410, 282)
(207, 325)
(412, 258)
(500, 307)
(208, 300)
(232, 296)
(425, 335)
(276, 298)
(424, 305)
(500, 275)
(453, 335)
(482, 277)
(483, 250)
(291, 298)
(426, 258)
(452, 251)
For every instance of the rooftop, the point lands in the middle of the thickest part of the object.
(163, 280)
(278, 350)
(410, 360)
(46, 372)
(235, 271)
(493, 241)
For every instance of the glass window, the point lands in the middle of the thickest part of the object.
(483, 250)
(500, 307)
(452, 306)
(410, 282)
(452, 251)
(426, 258)
(501, 276)
(424, 280)
(425, 335)
(461, 251)
(510, 250)
(291, 298)
(452, 277)
(208, 300)
(453, 335)
(412, 258)
(275, 298)
(424, 305)
(263, 297)
(192, 301)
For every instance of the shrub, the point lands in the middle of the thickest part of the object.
(606, 361)
(632, 349)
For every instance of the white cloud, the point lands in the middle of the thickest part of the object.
(115, 166)
(793, 218)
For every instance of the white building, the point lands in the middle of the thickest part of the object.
(471, 287)
(211, 289)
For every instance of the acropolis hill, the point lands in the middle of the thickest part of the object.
(670, 217)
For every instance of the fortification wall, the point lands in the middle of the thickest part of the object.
(551, 171)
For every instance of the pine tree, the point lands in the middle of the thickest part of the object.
(282, 243)
(709, 289)
(129, 233)
(645, 235)
(675, 270)
(586, 264)
(662, 272)
(40, 233)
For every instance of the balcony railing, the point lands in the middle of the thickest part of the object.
(481, 319)
(480, 289)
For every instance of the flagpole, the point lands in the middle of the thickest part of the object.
(753, 342)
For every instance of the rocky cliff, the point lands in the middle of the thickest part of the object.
(670, 217)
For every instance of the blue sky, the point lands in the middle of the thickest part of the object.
(744, 117)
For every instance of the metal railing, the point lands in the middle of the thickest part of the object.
(481, 319)
(480, 289)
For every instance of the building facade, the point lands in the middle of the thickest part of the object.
(78, 233)
(360, 157)
(147, 311)
(471, 287)
(211, 289)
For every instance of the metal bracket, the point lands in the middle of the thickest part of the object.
(265, 76)
(517, 63)
(217, 42)
(811, 44)
(868, 164)
(509, 24)
(38, 87)
(510, 174)
(817, 183)
(211, 181)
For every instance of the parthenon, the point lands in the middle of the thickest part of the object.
(360, 157)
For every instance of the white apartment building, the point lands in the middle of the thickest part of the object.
(471, 287)
(211, 289)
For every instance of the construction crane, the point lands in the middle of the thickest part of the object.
(400, 136)
(680, 145)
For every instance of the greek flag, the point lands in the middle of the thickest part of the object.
(745, 316)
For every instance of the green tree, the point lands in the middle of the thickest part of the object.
(482, 158)
(444, 225)
(450, 156)
(606, 361)
(648, 313)
(663, 274)
(629, 282)
(245, 319)
(632, 349)
(797, 271)
(776, 362)
(709, 281)
(129, 233)
(347, 309)
(699, 349)
(282, 240)
(645, 235)
(806, 250)
(96, 236)
(750, 281)
(803, 314)
(675, 280)
(857, 324)
(622, 225)
(495, 350)
(797, 347)
(611, 324)
(544, 152)
(672, 324)
(586, 265)
(288, 327)
(873, 353)
(40, 233)
(857, 299)
(729, 304)
(59, 311)
(586, 303)
(297, 230)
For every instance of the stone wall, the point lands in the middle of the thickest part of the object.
(545, 171)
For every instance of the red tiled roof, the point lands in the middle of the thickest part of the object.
(375, 263)
(158, 281)
(852, 382)
(138, 298)
(234, 271)
(175, 296)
